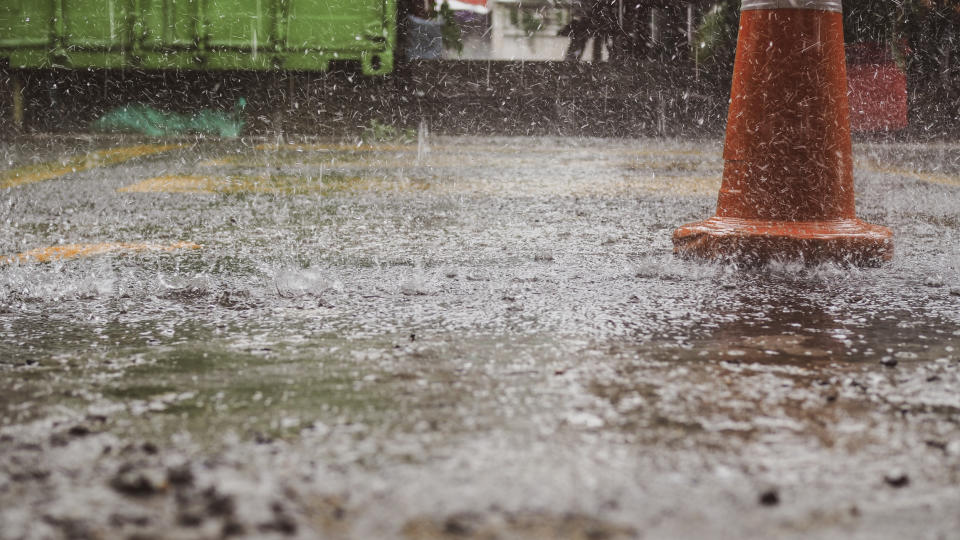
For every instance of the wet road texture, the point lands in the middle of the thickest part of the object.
(461, 338)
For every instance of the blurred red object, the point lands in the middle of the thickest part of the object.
(878, 89)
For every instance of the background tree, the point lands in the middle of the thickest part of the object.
(931, 32)
(920, 35)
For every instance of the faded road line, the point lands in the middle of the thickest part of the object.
(70, 251)
(945, 179)
(283, 184)
(103, 158)
(319, 147)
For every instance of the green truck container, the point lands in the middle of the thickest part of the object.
(198, 34)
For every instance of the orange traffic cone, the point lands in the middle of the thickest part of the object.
(787, 189)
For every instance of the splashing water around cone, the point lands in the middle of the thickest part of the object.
(787, 189)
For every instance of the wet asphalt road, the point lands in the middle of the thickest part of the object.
(466, 337)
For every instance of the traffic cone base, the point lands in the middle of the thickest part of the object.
(788, 189)
(848, 241)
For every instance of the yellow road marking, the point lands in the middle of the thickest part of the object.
(289, 184)
(674, 160)
(70, 251)
(181, 184)
(103, 158)
(218, 162)
(319, 147)
(946, 179)
(349, 172)
(600, 185)
(466, 148)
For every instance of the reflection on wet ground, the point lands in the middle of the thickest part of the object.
(477, 338)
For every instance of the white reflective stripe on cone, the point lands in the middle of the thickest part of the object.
(822, 5)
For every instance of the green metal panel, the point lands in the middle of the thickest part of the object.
(345, 25)
(240, 24)
(168, 24)
(95, 24)
(25, 23)
(198, 34)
